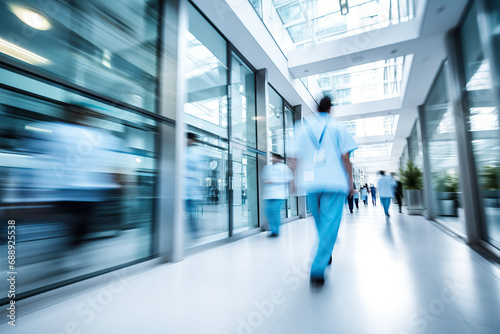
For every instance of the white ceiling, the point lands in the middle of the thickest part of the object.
(423, 37)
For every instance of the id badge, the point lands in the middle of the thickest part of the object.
(320, 156)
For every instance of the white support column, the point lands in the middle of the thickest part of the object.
(170, 208)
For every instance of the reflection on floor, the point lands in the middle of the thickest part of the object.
(405, 276)
(457, 223)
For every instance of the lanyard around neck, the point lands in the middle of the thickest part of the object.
(316, 142)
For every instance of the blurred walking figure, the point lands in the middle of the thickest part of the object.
(386, 185)
(192, 182)
(356, 197)
(398, 192)
(351, 199)
(364, 194)
(325, 174)
(73, 174)
(373, 192)
(79, 153)
(276, 177)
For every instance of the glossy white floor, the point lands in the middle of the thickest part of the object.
(406, 276)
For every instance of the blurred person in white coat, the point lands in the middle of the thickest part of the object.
(276, 178)
(386, 185)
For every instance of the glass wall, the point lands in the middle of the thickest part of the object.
(242, 103)
(206, 189)
(243, 131)
(206, 75)
(275, 120)
(245, 191)
(443, 154)
(415, 146)
(483, 122)
(78, 173)
(281, 134)
(221, 184)
(78, 176)
(113, 54)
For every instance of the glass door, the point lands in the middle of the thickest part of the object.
(243, 169)
(206, 190)
(245, 194)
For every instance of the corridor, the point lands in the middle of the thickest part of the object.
(404, 276)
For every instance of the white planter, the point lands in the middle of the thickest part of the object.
(415, 201)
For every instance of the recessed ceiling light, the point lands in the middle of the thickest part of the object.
(30, 17)
(394, 51)
(306, 71)
(357, 59)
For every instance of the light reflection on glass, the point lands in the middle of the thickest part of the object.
(79, 183)
(107, 47)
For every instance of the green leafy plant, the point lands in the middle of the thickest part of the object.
(446, 182)
(490, 178)
(411, 177)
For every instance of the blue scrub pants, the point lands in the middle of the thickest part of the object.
(326, 209)
(386, 201)
(273, 214)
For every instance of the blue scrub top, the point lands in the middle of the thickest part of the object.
(320, 167)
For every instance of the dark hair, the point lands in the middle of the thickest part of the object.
(277, 156)
(325, 104)
(192, 136)
(382, 172)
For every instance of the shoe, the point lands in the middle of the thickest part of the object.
(273, 235)
(400, 211)
(330, 261)
(317, 281)
(352, 212)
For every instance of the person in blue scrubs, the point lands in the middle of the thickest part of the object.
(356, 197)
(364, 194)
(373, 192)
(324, 173)
(386, 186)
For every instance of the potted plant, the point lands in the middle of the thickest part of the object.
(411, 178)
(447, 187)
(490, 179)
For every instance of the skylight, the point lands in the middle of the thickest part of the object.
(310, 22)
(373, 126)
(363, 83)
(373, 151)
